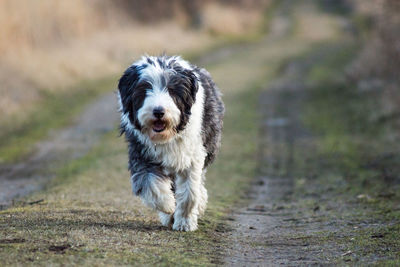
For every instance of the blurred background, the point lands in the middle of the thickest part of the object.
(50, 45)
(312, 96)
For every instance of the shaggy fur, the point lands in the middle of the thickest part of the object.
(171, 115)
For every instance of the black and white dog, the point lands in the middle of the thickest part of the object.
(171, 114)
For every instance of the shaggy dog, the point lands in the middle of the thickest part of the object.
(171, 115)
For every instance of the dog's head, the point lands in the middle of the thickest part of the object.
(156, 97)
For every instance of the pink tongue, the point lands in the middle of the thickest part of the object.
(158, 125)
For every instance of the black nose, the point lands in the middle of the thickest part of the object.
(158, 112)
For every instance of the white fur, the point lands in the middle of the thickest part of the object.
(179, 153)
(182, 223)
(159, 196)
(159, 98)
(185, 156)
(203, 199)
(166, 219)
(188, 196)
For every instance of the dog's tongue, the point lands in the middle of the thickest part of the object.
(158, 125)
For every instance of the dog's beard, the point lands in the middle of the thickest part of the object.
(159, 130)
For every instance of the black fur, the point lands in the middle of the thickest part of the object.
(132, 94)
(141, 165)
(183, 87)
(212, 116)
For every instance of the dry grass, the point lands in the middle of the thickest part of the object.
(50, 45)
(233, 20)
(316, 26)
(51, 53)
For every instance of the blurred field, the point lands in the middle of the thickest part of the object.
(51, 45)
(376, 70)
(58, 52)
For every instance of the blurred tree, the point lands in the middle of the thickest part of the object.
(193, 10)
(378, 65)
(336, 6)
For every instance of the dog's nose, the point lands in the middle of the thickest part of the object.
(158, 112)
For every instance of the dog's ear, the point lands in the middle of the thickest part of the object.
(126, 86)
(183, 88)
(190, 81)
(194, 85)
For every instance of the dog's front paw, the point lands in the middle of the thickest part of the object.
(202, 200)
(165, 202)
(185, 223)
(166, 220)
(156, 193)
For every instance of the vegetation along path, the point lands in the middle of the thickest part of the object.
(294, 183)
(324, 194)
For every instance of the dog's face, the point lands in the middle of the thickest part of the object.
(157, 95)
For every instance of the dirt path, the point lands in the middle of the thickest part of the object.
(305, 208)
(261, 227)
(281, 224)
(268, 230)
(20, 179)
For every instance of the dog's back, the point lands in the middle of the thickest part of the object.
(212, 116)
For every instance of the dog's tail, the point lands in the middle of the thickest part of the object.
(155, 191)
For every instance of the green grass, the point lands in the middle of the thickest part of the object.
(352, 163)
(342, 116)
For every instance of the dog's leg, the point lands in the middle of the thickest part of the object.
(203, 194)
(154, 191)
(202, 200)
(188, 195)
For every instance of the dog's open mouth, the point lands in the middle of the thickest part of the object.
(159, 126)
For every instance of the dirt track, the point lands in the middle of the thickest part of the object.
(268, 230)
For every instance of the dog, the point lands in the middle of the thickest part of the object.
(172, 117)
